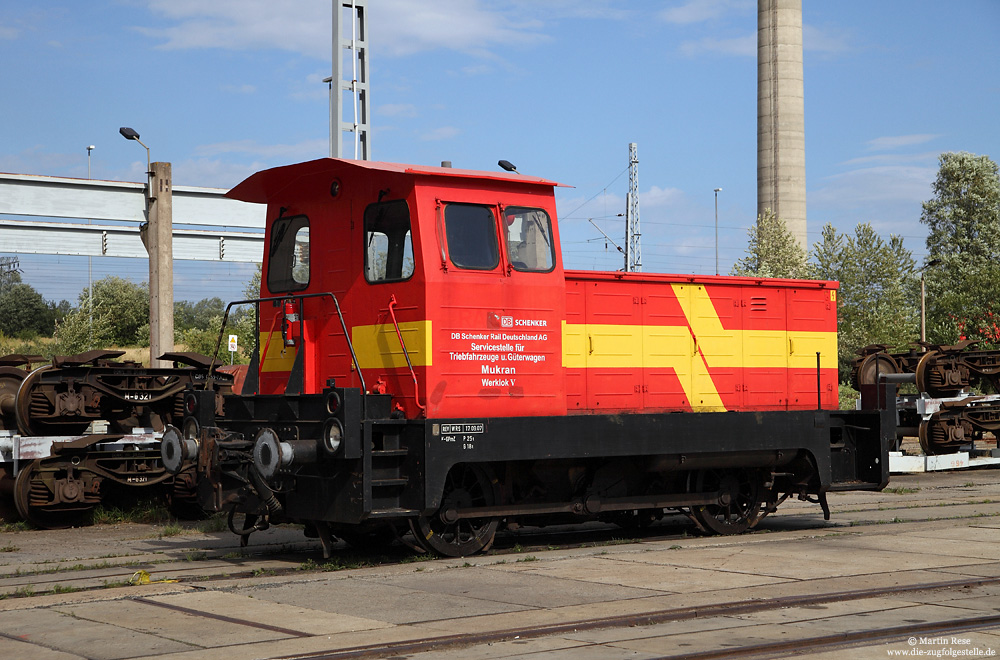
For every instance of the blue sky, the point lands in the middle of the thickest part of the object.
(559, 87)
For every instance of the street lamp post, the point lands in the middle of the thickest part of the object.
(130, 134)
(923, 298)
(157, 237)
(717, 191)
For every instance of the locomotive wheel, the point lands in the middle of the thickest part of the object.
(743, 494)
(466, 486)
(923, 434)
(10, 381)
(33, 500)
(935, 439)
(870, 367)
(929, 380)
(29, 426)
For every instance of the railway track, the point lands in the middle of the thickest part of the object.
(438, 644)
(276, 599)
(203, 551)
(651, 625)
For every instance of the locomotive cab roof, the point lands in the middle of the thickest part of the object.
(271, 184)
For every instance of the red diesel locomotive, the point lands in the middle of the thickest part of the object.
(424, 359)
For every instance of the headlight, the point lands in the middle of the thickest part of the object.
(333, 435)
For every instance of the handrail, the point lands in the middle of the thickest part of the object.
(416, 387)
(257, 301)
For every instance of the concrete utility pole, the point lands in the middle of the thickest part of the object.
(157, 236)
(781, 144)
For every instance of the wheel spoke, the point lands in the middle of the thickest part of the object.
(466, 486)
(745, 492)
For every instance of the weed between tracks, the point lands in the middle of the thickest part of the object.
(64, 589)
(152, 512)
(20, 592)
(144, 511)
(900, 490)
(341, 563)
(73, 568)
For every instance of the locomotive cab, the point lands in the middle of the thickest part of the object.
(449, 283)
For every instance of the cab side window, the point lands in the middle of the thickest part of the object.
(529, 239)
(288, 255)
(388, 242)
(471, 233)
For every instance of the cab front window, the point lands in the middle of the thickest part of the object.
(471, 232)
(529, 239)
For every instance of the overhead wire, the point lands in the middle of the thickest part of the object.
(569, 216)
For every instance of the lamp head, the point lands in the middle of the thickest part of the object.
(128, 133)
(718, 190)
(507, 165)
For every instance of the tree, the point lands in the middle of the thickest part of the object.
(772, 251)
(23, 311)
(877, 300)
(963, 246)
(120, 317)
(205, 337)
(202, 314)
(963, 217)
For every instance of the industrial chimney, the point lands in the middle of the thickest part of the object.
(781, 143)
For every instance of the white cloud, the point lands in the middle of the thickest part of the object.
(658, 197)
(398, 110)
(557, 9)
(304, 26)
(286, 152)
(442, 133)
(745, 46)
(300, 26)
(469, 26)
(698, 11)
(892, 159)
(897, 183)
(817, 40)
(213, 173)
(479, 69)
(896, 141)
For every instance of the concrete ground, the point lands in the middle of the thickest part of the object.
(66, 595)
